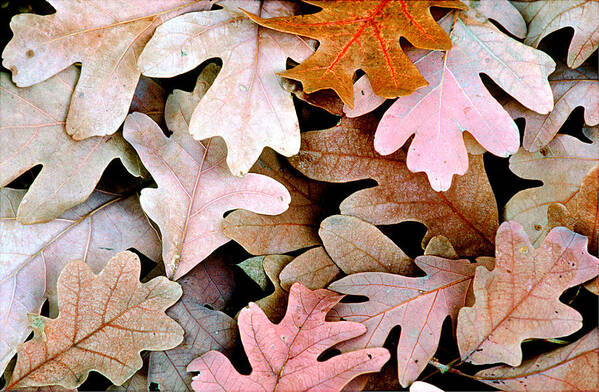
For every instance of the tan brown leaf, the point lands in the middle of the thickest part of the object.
(466, 214)
(32, 256)
(106, 37)
(274, 304)
(519, 298)
(561, 165)
(574, 367)
(105, 321)
(313, 268)
(294, 229)
(33, 133)
(149, 99)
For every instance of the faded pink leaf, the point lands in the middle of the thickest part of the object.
(519, 298)
(33, 133)
(284, 356)
(195, 188)
(456, 100)
(569, 368)
(571, 88)
(257, 111)
(32, 256)
(106, 37)
(419, 305)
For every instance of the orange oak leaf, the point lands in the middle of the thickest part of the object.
(561, 165)
(571, 88)
(546, 16)
(106, 36)
(294, 229)
(284, 356)
(257, 111)
(209, 283)
(519, 298)
(569, 368)
(32, 133)
(466, 214)
(195, 188)
(105, 321)
(419, 305)
(32, 256)
(456, 100)
(364, 35)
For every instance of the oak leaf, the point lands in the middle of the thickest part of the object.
(294, 229)
(456, 100)
(466, 214)
(105, 321)
(257, 111)
(32, 256)
(33, 133)
(195, 188)
(568, 368)
(149, 98)
(561, 166)
(313, 268)
(363, 35)
(546, 16)
(571, 88)
(419, 305)
(519, 298)
(106, 36)
(206, 328)
(284, 356)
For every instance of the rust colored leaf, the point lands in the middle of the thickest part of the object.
(519, 298)
(195, 188)
(294, 229)
(456, 100)
(32, 256)
(466, 214)
(284, 356)
(546, 16)
(257, 111)
(105, 321)
(363, 35)
(571, 88)
(106, 37)
(205, 329)
(358, 246)
(569, 368)
(561, 165)
(419, 305)
(313, 268)
(33, 133)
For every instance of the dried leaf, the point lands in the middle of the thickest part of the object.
(257, 111)
(546, 16)
(324, 99)
(419, 305)
(128, 318)
(149, 98)
(32, 256)
(571, 88)
(364, 35)
(294, 229)
(420, 386)
(33, 133)
(106, 36)
(357, 246)
(561, 165)
(274, 304)
(195, 188)
(466, 214)
(205, 329)
(313, 268)
(573, 367)
(457, 101)
(519, 298)
(284, 356)
(501, 11)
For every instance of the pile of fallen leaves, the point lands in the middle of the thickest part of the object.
(244, 195)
